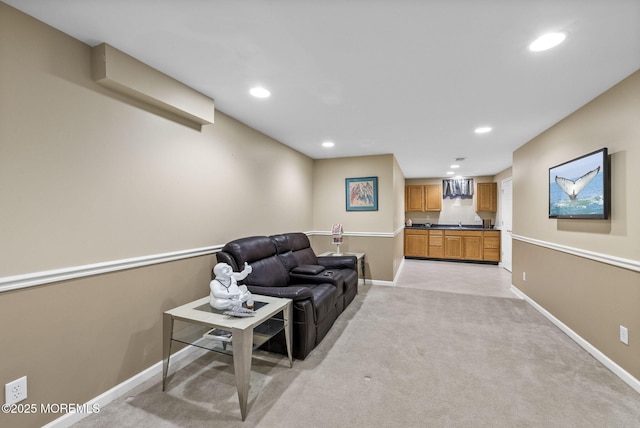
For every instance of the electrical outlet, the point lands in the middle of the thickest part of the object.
(524, 276)
(624, 335)
(15, 391)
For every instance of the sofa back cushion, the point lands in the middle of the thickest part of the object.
(301, 249)
(260, 252)
(294, 250)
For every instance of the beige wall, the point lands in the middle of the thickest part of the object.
(586, 290)
(329, 193)
(611, 120)
(398, 217)
(88, 176)
(75, 340)
(372, 232)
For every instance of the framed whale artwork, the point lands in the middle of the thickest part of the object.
(581, 187)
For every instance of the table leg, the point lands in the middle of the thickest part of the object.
(287, 315)
(167, 331)
(242, 350)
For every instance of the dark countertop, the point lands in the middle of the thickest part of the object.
(447, 227)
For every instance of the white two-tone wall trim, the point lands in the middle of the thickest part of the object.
(32, 279)
(592, 255)
(49, 276)
(360, 234)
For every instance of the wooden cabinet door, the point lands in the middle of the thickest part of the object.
(487, 197)
(414, 198)
(433, 197)
(452, 246)
(466, 245)
(416, 243)
(472, 247)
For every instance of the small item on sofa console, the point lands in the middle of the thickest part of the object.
(225, 292)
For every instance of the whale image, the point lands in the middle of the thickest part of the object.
(573, 188)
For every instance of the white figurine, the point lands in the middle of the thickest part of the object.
(225, 292)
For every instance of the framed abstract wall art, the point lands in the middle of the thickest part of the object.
(362, 194)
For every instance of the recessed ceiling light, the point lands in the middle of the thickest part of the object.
(483, 130)
(328, 144)
(450, 172)
(547, 41)
(260, 92)
(454, 166)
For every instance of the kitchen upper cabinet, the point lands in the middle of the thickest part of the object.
(433, 197)
(414, 198)
(423, 198)
(487, 197)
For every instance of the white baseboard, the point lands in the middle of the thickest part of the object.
(597, 354)
(178, 360)
(379, 282)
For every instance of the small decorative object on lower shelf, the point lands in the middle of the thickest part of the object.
(218, 334)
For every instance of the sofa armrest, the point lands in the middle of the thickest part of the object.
(290, 292)
(338, 262)
(308, 269)
(326, 277)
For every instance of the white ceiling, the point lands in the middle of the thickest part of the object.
(408, 77)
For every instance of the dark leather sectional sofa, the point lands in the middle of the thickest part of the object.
(286, 266)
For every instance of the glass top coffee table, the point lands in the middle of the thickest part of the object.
(191, 322)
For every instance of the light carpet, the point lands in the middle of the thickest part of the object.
(401, 357)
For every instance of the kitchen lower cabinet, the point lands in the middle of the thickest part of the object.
(491, 246)
(436, 243)
(467, 245)
(452, 246)
(416, 243)
(472, 246)
(464, 245)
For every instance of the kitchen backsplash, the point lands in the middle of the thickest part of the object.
(453, 211)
